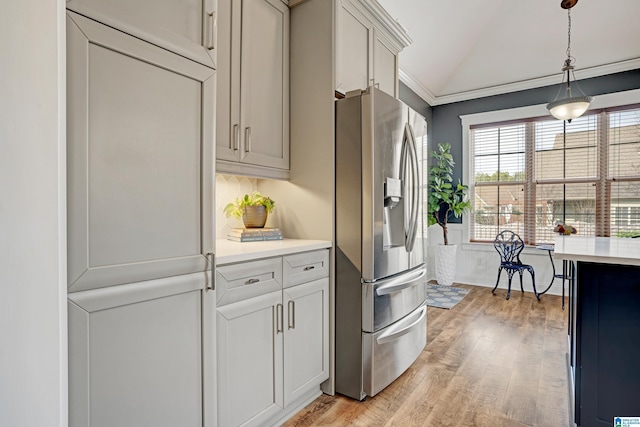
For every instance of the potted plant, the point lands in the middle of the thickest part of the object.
(445, 198)
(253, 209)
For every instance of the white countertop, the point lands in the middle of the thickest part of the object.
(606, 250)
(228, 251)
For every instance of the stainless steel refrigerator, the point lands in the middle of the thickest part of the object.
(381, 317)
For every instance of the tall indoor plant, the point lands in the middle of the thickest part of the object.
(445, 198)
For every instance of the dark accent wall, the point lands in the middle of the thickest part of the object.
(446, 125)
(410, 98)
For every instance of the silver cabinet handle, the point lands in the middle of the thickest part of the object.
(251, 281)
(309, 267)
(211, 40)
(236, 137)
(247, 139)
(291, 306)
(211, 257)
(279, 320)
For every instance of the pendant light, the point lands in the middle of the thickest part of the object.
(569, 107)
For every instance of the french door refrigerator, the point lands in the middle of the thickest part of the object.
(380, 241)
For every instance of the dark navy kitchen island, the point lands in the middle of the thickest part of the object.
(604, 327)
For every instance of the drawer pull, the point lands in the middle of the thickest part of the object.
(309, 267)
(251, 281)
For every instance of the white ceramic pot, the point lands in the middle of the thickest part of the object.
(446, 264)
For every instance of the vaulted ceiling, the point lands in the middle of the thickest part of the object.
(469, 48)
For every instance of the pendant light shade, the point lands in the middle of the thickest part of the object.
(569, 107)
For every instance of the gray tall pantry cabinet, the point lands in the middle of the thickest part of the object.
(140, 162)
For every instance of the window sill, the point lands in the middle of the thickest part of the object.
(488, 247)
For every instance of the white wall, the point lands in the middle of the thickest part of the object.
(33, 343)
(477, 263)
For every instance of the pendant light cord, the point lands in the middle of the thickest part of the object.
(569, 35)
(571, 106)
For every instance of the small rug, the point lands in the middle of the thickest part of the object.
(444, 296)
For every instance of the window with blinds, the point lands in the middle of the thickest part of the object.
(531, 174)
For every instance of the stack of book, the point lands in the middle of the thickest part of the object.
(254, 234)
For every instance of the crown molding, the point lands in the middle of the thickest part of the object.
(387, 22)
(581, 74)
(420, 90)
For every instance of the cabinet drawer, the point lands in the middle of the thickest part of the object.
(305, 267)
(235, 282)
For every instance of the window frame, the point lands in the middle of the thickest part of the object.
(601, 102)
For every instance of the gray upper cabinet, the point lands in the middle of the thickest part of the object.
(385, 64)
(252, 128)
(139, 159)
(186, 27)
(354, 32)
(368, 43)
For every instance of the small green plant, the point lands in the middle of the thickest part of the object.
(255, 199)
(445, 197)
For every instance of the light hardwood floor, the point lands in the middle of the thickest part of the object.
(488, 362)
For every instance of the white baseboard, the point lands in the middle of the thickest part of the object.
(296, 406)
(478, 263)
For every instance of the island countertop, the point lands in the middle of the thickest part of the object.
(228, 251)
(605, 250)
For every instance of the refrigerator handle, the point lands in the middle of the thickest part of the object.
(393, 335)
(410, 142)
(404, 164)
(399, 283)
(416, 186)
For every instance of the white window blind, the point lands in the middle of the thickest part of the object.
(499, 171)
(624, 171)
(531, 174)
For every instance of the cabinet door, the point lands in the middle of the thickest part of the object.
(264, 90)
(139, 159)
(228, 111)
(249, 336)
(306, 342)
(384, 64)
(354, 33)
(252, 129)
(186, 27)
(142, 354)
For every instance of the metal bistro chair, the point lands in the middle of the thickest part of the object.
(509, 245)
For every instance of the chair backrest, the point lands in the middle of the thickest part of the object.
(509, 245)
